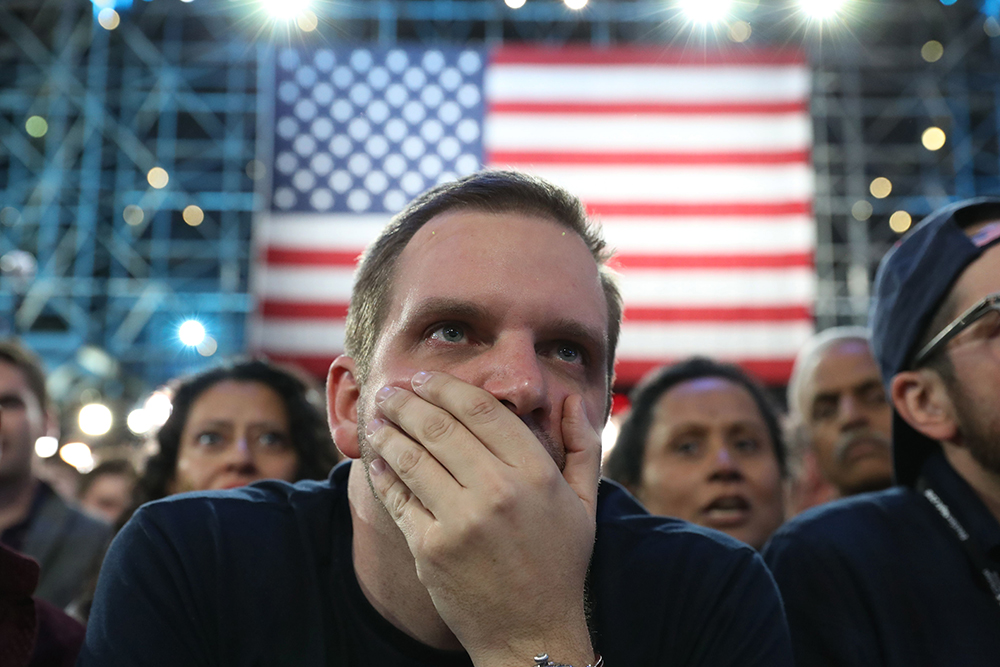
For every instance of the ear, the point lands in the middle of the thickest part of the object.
(342, 393)
(921, 399)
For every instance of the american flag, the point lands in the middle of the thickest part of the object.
(696, 164)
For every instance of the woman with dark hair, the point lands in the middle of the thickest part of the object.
(703, 443)
(235, 424)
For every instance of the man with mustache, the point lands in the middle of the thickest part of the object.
(911, 575)
(840, 418)
(469, 528)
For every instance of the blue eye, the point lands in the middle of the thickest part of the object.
(569, 353)
(449, 333)
(208, 439)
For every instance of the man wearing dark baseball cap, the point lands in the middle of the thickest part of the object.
(911, 575)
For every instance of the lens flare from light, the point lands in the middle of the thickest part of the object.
(285, 10)
(139, 422)
(158, 407)
(706, 11)
(822, 9)
(191, 333)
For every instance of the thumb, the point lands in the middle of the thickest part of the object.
(583, 452)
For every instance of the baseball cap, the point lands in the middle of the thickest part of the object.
(912, 280)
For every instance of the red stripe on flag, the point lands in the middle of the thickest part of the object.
(710, 314)
(530, 158)
(645, 55)
(765, 261)
(305, 310)
(695, 210)
(296, 256)
(647, 108)
(770, 371)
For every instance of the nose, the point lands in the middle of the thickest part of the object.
(851, 414)
(514, 374)
(240, 455)
(725, 466)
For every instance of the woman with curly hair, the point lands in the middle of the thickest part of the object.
(235, 424)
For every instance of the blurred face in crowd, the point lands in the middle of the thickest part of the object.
(22, 421)
(848, 420)
(236, 433)
(709, 459)
(108, 496)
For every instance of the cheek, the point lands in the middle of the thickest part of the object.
(670, 488)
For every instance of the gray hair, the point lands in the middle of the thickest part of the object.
(808, 359)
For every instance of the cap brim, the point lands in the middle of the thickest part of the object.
(910, 449)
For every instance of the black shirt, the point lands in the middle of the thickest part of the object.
(264, 576)
(882, 579)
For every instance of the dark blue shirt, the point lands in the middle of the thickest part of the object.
(881, 579)
(264, 576)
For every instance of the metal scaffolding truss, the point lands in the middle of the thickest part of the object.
(174, 86)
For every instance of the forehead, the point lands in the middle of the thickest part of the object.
(517, 262)
(13, 379)
(842, 365)
(226, 397)
(706, 400)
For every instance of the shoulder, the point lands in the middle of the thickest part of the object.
(57, 520)
(877, 516)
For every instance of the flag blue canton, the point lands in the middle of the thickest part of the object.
(366, 130)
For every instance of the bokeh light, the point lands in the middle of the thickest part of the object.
(158, 177)
(991, 26)
(95, 419)
(861, 210)
(609, 436)
(191, 333)
(78, 455)
(933, 138)
(193, 215)
(900, 221)
(514, 4)
(36, 126)
(880, 187)
(256, 170)
(9, 215)
(739, 31)
(932, 51)
(575, 4)
(158, 407)
(133, 215)
(139, 421)
(208, 347)
(307, 21)
(108, 18)
(46, 446)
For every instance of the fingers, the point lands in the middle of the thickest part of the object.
(403, 506)
(484, 417)
(583, 452)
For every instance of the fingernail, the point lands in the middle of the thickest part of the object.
(420, 378)
(384, 393)
(377, 467)
(372, 426)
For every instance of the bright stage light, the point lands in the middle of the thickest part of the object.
(575, 4)
(285, 10)
(191, 333)
(822, 9)
(514, 4)
(706, 11)
(46, 446)
(95, 419)
(78, 455)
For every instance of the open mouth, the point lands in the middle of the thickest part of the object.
(727, 511)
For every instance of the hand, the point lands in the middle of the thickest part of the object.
(501, 538)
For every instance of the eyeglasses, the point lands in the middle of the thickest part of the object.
(987, 305)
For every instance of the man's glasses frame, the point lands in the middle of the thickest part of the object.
(988, 304)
